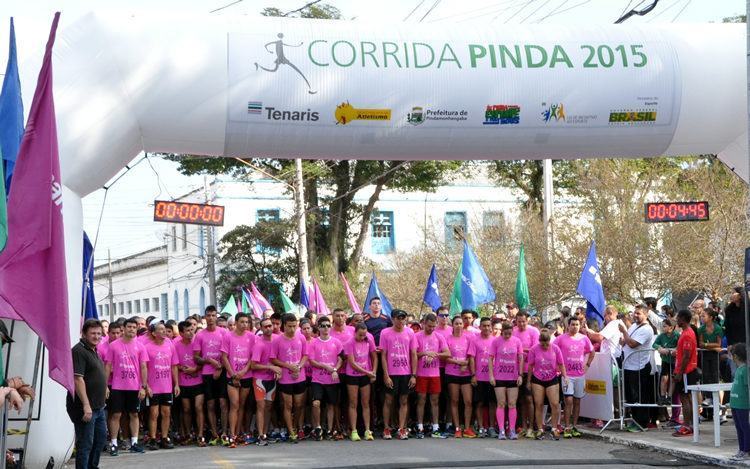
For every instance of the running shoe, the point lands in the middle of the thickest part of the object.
(262, 441)
(337, 435)
(403, 434)
(250, 439)
(437, 434)
(555, 434)
(567, 433)
(492, 433)
(576, 434)
(113, 450)
(136, 448)
(501, 436)
(369, 436)
(317, 434)
(529, 434)
(387, 434)
(301, 435)
(633, 428)
(152, 444)
(539, 435)
(420, 434)
(215, 442)
(201, 442)
(459, 434)
(672, 424)
(293, 437)
(740, 455)
(513, 435)
(275, 434)
(469, 433)
(166, 443)
(232, 443)
(683, 431)
(482, 433)
(225, 440)
(355, 436)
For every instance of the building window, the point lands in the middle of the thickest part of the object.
(202, 300)
(455, 227)
(383, 238)
(99, 310)
(130, 307)
(164, 306)
(184, 237)
(267, 215)
(186, 303)
(106, 310)
(174, 237)
(176, 304)
(495, 227)
(137, 306)
(121, 308)
(146, 305)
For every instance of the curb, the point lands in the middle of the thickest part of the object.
(678, 452)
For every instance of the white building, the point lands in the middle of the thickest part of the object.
(171, 280)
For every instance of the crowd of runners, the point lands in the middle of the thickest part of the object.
(231, 381)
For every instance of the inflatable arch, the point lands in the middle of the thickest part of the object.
(343, 89)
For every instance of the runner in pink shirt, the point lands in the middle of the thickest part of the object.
(479, 361)
(431, 348)
(325, 354)
(305, 330)
(545, 362)
(339, 330)
(468, 317)
(113, 333)
(126, 364)
(289, 352)
(361, 363)
(207, 352)
(163, 386)
(577, 353)
(399, 371)
(236, 351)
(458, 377)
(265, 375)
(191, 384)
(506, 370)
(529, 337)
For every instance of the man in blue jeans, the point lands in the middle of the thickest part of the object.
(86, 409)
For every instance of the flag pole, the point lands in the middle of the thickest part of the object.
(4, 440)
(30, 413)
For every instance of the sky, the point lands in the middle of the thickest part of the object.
(127, 226)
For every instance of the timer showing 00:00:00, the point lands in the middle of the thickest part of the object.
(185, 212)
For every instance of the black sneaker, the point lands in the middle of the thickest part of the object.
(317, 434)
(136, 448)
(113, 450)
(152, 445)
(166, 443)
(420, 434)
(262, 441)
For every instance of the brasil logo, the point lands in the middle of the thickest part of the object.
(345, 113)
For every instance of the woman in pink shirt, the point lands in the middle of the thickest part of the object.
(162, 383)
(506, 375)
(545, 365)
(361, 363)
(236, 352)
(458, 376)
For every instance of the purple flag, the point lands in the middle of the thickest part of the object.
(350, 296)
(320, 303)
(257, 309)
(259, 298)
(35, 255)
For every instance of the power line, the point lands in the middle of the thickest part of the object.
(535, 11)
(680, 12)
(302, 8)
(226, 6)
(523, 7)
(415, 9)
(434, 5)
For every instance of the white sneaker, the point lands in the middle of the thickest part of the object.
(501, 435)
(740, 455)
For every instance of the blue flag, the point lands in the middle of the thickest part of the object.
(590, 287)
(89, 301)
(431, 293)
(374, 291)
(475, 285)
(304, 297)
(11, 112)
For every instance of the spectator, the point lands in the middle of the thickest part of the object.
(685, 368)
(734, 319)
(739, 401)
(637, 342)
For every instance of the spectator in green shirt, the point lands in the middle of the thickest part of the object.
(739, 401)
(665, 343)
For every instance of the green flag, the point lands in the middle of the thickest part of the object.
(455, 302)
(289, 306)
(245, 306)
(522, 286)
(231, 306)
(3, 208)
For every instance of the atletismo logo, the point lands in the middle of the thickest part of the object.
(502, 114)
(345, 113)
(255, 108)
(630, 116)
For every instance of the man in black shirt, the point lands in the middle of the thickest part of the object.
(86, 409)
(376, 321)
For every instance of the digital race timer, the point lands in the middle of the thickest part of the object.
(676, 211)
(184, 212)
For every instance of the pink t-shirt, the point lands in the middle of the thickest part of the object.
(101, 348)
(397, 347)
(459, 348)
(126, 361)
(361, 352)
(161, 358)
(507, 354)
(343, 336)
(308, 365)
(326, 352)
(574, 351)
(289, 351)
(434, 342)
(186, 358)
(545, 362)
(239, 349)
(262, 356)
(529, 338)
(481, 349)
(445, 332)
(208, 345)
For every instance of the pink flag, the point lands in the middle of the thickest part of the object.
(259, 298)
(257, 309)
(350, 296)
(313, 306)
(320, 303)
(34, 258)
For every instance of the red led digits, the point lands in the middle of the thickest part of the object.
(676, 211)
(191, 213)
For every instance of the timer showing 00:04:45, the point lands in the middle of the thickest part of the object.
(186, 212)
(657, 212)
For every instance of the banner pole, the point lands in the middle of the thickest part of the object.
(4, 441)
(34, 379)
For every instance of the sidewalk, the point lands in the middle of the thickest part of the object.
(661, 440)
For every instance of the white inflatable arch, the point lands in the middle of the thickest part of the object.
(345, 89)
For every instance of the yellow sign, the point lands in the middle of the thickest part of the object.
(346, 113)
(596, 387)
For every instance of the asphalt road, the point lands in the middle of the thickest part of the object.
(403, 454)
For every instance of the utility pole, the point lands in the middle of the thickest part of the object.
(299, 205)
(110, 295)
(547, 213)
(210, 261)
